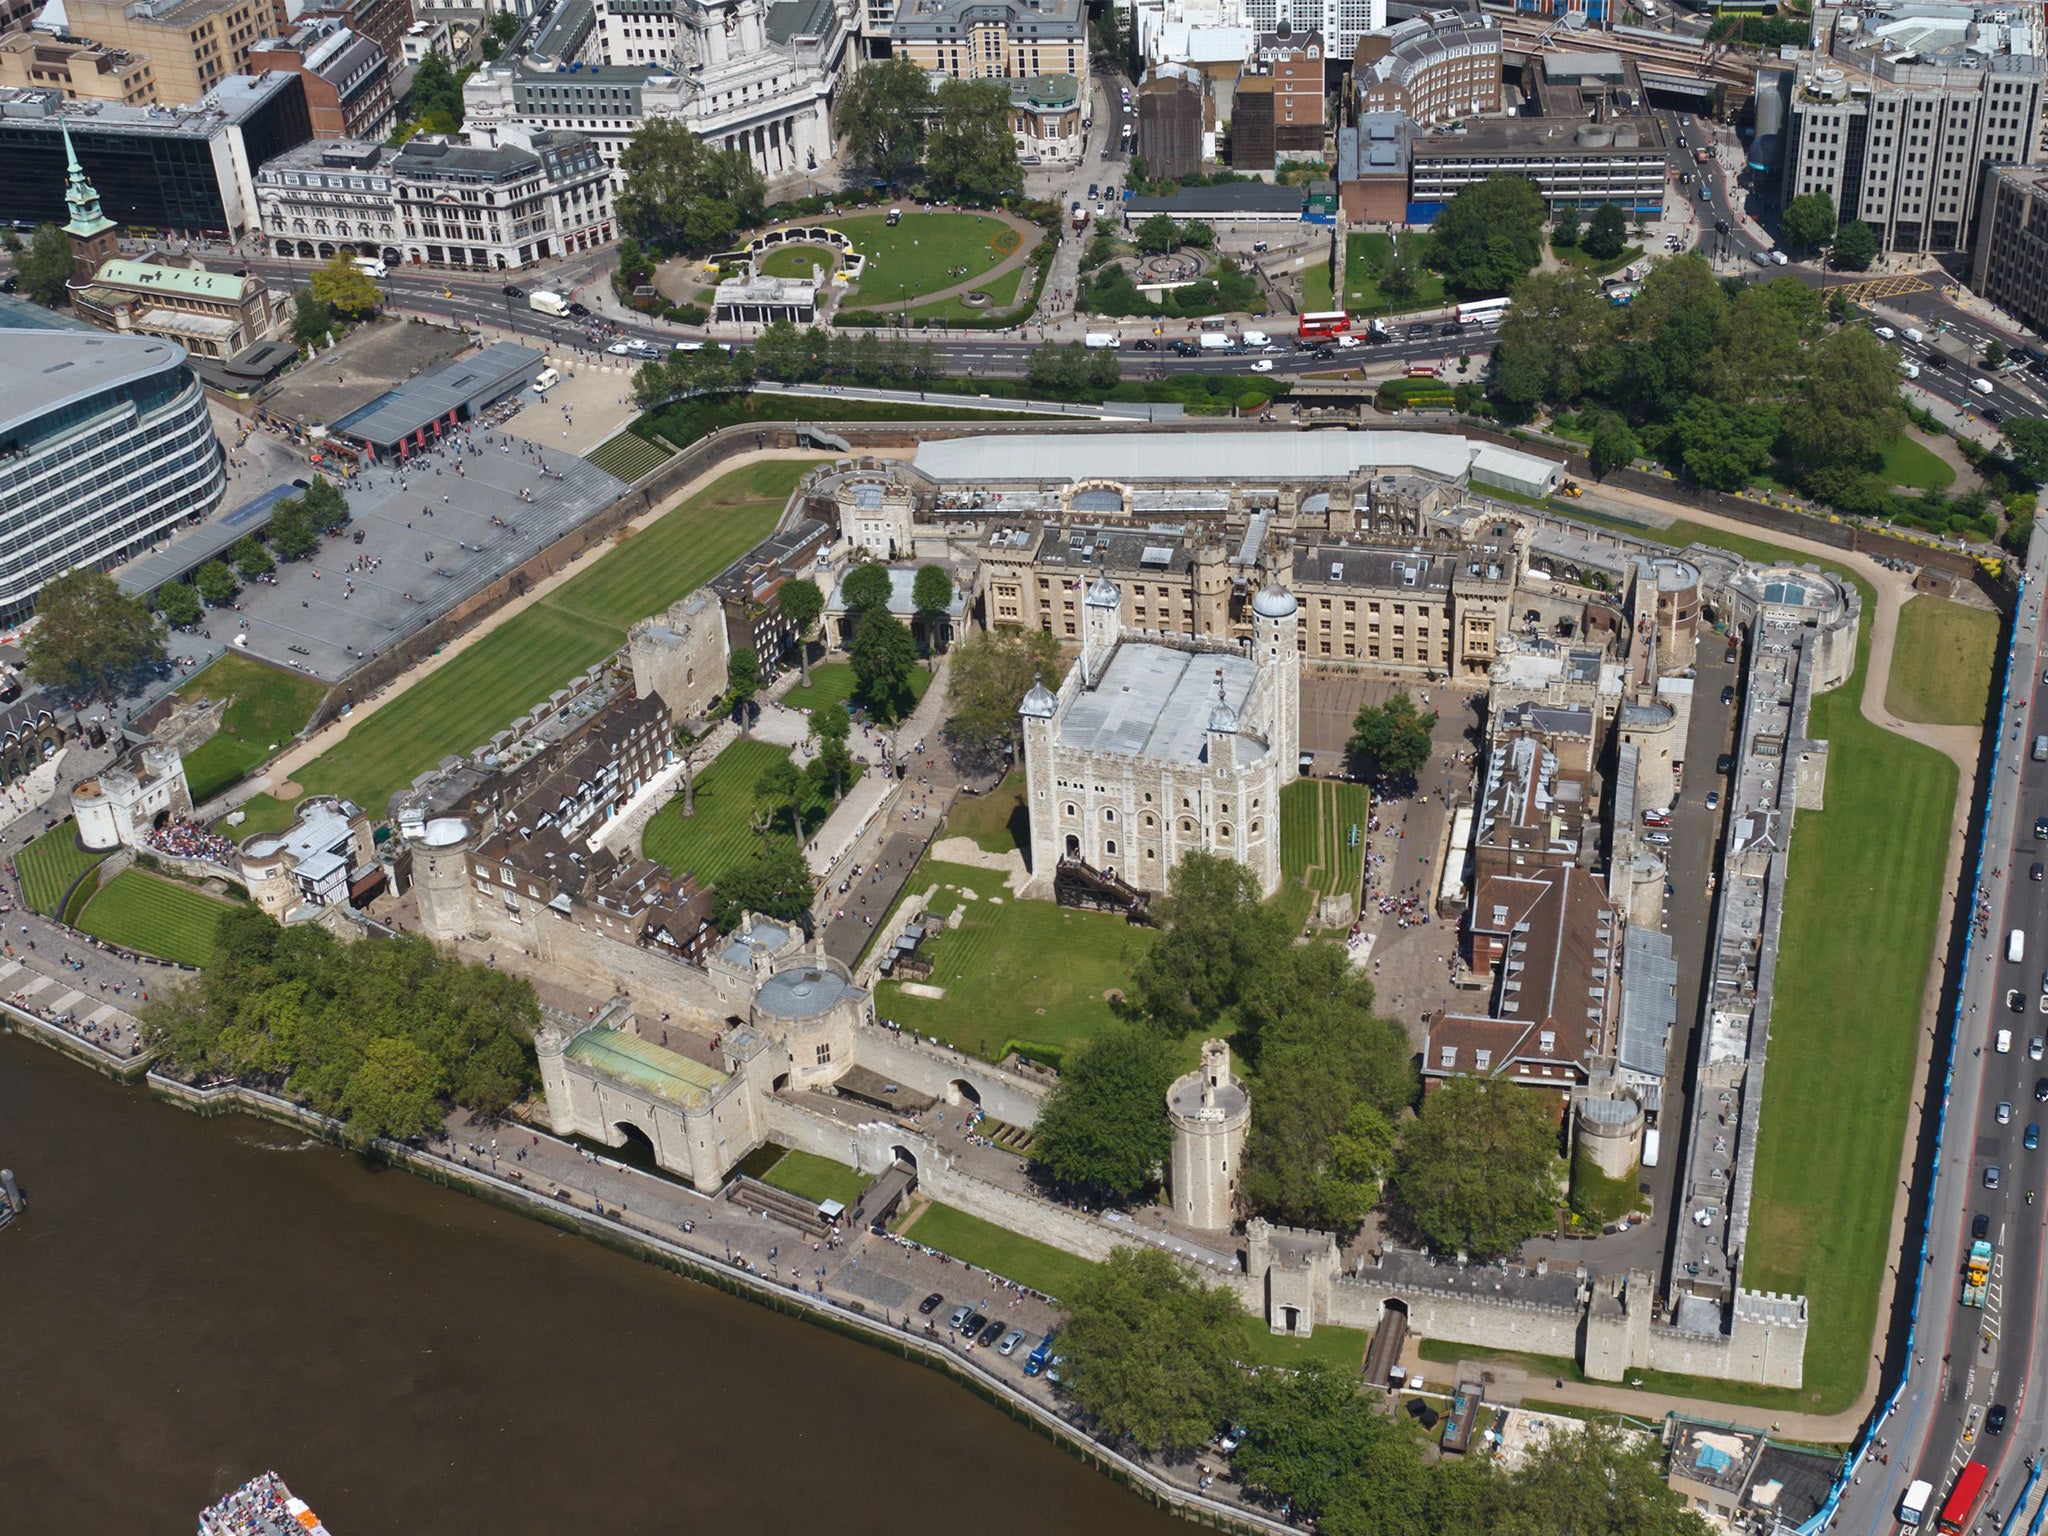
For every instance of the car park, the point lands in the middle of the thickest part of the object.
(930, 1304)
(992, 1332)
(1035, 1361)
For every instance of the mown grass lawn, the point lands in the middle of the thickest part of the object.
(920, 255)
(1942, 662)
(529, 656)
(815, 1178)
(998, 1250)
(49, 865)
(268, 707)
(1342, 1349)
(797, 260)
(832, 685)
(998, 822)
(157, 916)
(1013, 970)
(1915, 466)
(720, 836)
(628, 456)
(1363, 256)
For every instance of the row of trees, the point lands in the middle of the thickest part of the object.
(384, 1033)
(1810, 221)
(1153, 1354)
(296, 526)
(956, 139)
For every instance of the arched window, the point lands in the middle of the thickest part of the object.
(1255, 829)
(1151, 821)
(1187, 828)
(1109, 813)
(1072, 809)
(1109, 847)
(1223, 833)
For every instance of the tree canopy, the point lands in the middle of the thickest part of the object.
(216, 582)
(1607, 234)
(1855, 246)
(179, 604)
(1489, 236)
(1309, 1439)
(345, 288)
(1151, 1351)
(801, 602)
(1103, 1129)
(775, 882)
(881, 115)
(970, 154)
(1809, 219)
(1218, 937)
(683, 196)
(382, 1032)
(991, 672)
(1391, 740)
(931, 594)
(44, 266)
(884, 655)
(866, 587)
(89, 640)
(1478, 1171)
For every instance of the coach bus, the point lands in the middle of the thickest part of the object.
(1320, 325)
(1483, 311)
(1963, 1499)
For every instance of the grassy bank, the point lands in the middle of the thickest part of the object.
(1942, 662)
(157, 916)
(996, 1249)
(267, 707)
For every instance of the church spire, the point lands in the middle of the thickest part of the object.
(87, 218)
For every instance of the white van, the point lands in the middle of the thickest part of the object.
(545, 380)
(1913, 1507)
(2005, 1042)
(1257, 339)
(2016, 945)
(1215, 341)
(1100, 340)
(370, 266)
(547, 303)
(1982, 386)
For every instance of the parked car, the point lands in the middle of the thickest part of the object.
(1713, 799)
(930, 1304)
(1728, 695)
(1010, 1342)
(959, 1318)
(1658, 837)
(992, 1332)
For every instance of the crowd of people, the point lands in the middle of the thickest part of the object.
(189, 840)
(263, 1506)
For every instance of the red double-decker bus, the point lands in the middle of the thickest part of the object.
(1320, 324)
(1963, 1499)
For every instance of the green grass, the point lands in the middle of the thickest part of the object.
(918, 256)
(998, 1250)
(684, 423)
(268, 708)
(580, 623)
(1942, 662)
(1573, 256)
(815, 1178)
(1556, 1367)
(49, 865)
(797, 260)
(157, 916)
(719, 836)
(1022, 970)
(264, 813)
(1916, 466)
(1316, 818)
(1363, 254)
(1342, 1349)
(628, 456)
(998, 821)
(831, 685)
(1315, 288)
(1001, 291)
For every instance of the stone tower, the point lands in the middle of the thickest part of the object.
(1037, 712)
(1212, 584)
(1276, 621)
(1101, 627)
(94, 237)
(1210, 1111)
(440, 878)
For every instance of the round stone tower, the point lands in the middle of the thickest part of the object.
(440, 877)
(1651, 728)
(1610, 1132)
(1210, 1111)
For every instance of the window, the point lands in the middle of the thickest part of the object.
(1447, 1058)
(1109, 813)
(825, 1054)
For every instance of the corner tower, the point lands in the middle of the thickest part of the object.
(1210, 1111)
(1276, 626)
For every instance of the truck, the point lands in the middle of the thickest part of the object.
(1977, 1272)
(1913, 1507)
(1079, 214)
(1653, 1146)
(547, 303)
(1215, 341)
(1257, 339)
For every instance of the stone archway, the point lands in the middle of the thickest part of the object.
(635, 1146)
(961, 1091)
(905, 1158)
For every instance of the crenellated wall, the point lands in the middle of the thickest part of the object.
(936, 1070)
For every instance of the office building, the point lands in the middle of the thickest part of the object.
(190, 170)
(1436, 68)
(1045, 116)
(1295, 61)
(1900, 112)
(1340, 23)
(2010, 268)
(383, 22)
(993, 39)
(347, 78)
(105, 447)
(193, 45)
(1172, 127)
(82, 71)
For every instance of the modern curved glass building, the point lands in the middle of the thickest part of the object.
(105, 447)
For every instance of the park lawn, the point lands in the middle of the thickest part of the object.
(919, 255)
(997, 1250)
(1316, 293)
(628, 456)
(831, 685)
(721, 835)
(157, 916)
(1942, 662)
(51, 865)
(1342, 1349)
(1002, 295)
(998, 822)
(538, 650)
(797, 260)
(1363, 254)
(1915, 466)
(1031, 971)
(267, 708)
(1573, 256)
(815, 1178)
(1316, 849)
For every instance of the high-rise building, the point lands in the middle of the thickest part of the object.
(347, 78)
(1341, 22)
(1896, 118)
(82, 71)
(193, 45)
(2010, 267)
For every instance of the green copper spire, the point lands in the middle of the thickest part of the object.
(87, 219)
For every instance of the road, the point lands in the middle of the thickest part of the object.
(1966, 1360)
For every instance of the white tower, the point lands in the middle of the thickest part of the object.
(1276, 620)
(1209, 1110)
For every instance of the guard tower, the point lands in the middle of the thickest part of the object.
(1210, 1110)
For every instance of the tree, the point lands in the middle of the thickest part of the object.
(683, 196)
(800, 602)
(706, 371)
(45, 267)
(883, 656)
(1607, 235)
(1848, 407)
(292, 535)
(1593, 1482)
(1614, 446)
(834, 767)
(2027, 438)
(1566, 228)
(791, 354)
(1151, 1351)
(1855, 246)
(1556, 341)
(500, 30)
(992, 671)
(1994, 352)
(931, 594)
(1391, 740)
(1198, 233)
(1676, 327)
(179, 604)
(344, 287)
(326, 507)
(742, 682)
(436, 99)
(89, 640)
(1218, 935)
(1724, 446)
(776, 882)
(970, 153)
(865, 588)
(781, 788)
(1489, 236)
(1158, 235)
(1310, 1440)
(312, 321)
(1478, 1170)
(216, 582)
(392, 1092)
(250, 556)
(1103, 1130)
(881, 115)
(1809, 219)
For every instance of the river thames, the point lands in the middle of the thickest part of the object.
(192, 1301)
